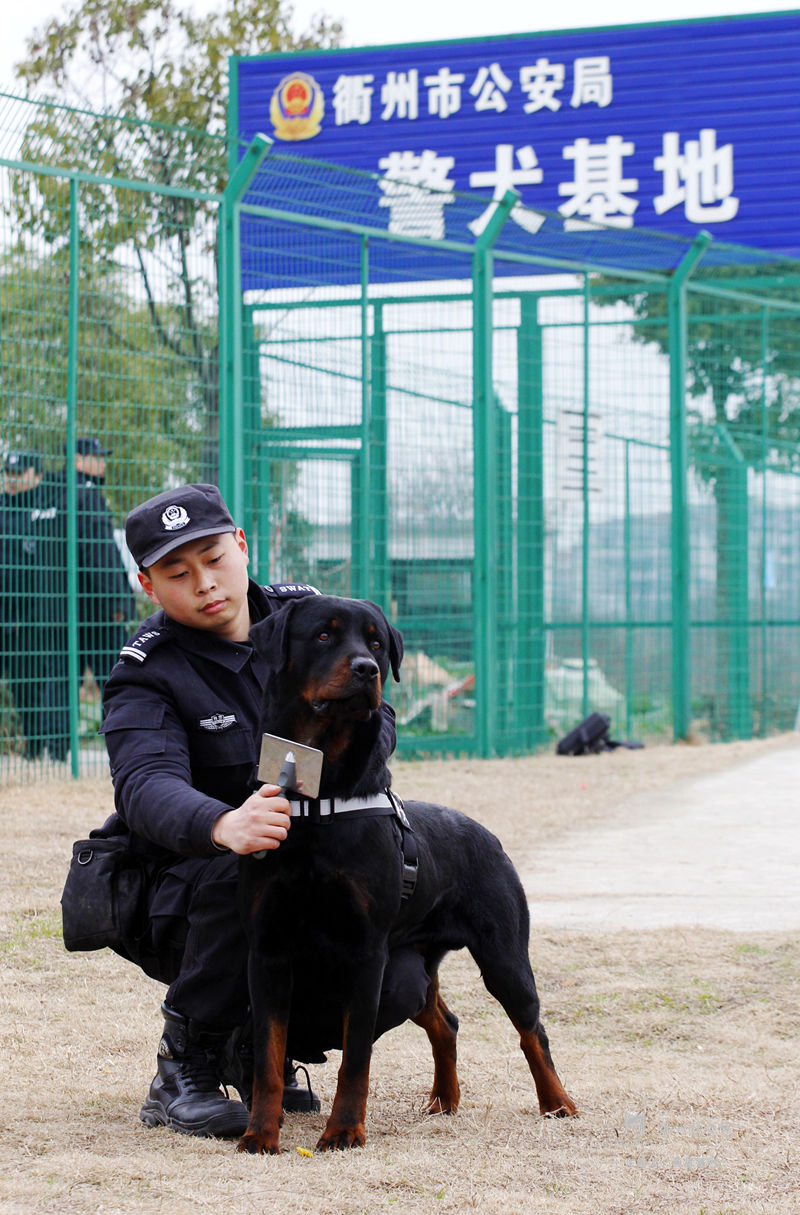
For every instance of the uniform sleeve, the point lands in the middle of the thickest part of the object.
(99, 559)
(148, 750)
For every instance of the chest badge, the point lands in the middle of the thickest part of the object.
(218, 721)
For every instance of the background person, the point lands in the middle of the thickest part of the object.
(33, 603)
(106, 603)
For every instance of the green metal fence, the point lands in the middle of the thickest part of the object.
(565, 462)
(110, 332)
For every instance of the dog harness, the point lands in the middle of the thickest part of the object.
(377, 805)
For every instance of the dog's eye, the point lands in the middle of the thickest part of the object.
(376, 645)
(323, 636)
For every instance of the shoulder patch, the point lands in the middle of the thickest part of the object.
(290, 590)
(138, 649)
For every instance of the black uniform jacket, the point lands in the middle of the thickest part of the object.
(180, 718)
(103, 588)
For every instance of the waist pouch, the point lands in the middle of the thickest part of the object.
(102, 903)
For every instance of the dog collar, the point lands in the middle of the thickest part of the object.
(326, 807)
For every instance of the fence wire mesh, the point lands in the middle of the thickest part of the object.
(564, 464)
(109, 374)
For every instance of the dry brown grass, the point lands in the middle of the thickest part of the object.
(679, 1047)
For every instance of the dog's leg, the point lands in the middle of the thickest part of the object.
(553, 1100)
(345, 1127)
(508, 977)
(270, 997)
(441, 1026)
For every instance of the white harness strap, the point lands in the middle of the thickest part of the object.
(329, 806)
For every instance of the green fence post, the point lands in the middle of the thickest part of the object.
(762, 570)
(585, 491)
(73, 674)
(732, 597)
(484, 440)
(681, 558)
(504, 489)
(529, 682)
(361, 479)
(629, 631)
(231, 402)
(381, 590)
(251, 416)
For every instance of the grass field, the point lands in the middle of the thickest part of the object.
(679, 1047)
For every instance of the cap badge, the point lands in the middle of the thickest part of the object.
(174, 518)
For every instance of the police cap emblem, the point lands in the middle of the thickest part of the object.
(174, 517)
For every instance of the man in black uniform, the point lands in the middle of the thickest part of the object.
(106, 603)
(33, 602)
(181, 714)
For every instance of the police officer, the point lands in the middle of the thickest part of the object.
(181, 714)
(33, 602)
(106, 603)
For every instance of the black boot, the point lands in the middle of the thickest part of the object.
(185, 1093)
(298, 1099)
(238, 1071)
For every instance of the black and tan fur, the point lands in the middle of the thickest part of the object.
(324, 909)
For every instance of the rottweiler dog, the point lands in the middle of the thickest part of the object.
(323, 910)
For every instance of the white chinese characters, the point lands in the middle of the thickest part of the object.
(599, 191)
(700, 177)
(416, 189)
(491, 90)
(506, 177)
(594, 182)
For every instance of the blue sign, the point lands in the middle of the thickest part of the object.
(672, 127)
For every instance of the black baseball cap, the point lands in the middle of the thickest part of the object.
(21, 461)
(88, 445)
(170, 519)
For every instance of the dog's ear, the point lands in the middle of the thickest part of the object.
(395, 642)
(395, 650)
(270, 637)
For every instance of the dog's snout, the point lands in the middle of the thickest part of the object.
(364, 669)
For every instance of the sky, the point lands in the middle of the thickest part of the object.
(373, 22)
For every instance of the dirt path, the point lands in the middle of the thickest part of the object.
(720, 851)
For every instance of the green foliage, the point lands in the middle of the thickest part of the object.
(120, 364)
(155, 62)
(141, 89)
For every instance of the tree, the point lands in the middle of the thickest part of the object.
(119, 348)
(162, 73)
(154, 61)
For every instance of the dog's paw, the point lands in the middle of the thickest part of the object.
(258, 1145)
(435, 1106)
(567, 1109)
(340, 1138)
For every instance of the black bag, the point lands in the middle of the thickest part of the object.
(591, 737)
(587, 738)
(103, 899)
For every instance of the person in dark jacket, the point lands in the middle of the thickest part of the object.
(106, 603)
(33, 603)
(181, 715)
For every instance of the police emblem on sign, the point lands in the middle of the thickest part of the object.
(297, 107)
(218, 721)
(174, 517)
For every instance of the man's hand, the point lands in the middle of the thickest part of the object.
(259, 824)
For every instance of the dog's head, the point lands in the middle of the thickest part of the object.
(331, 655)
